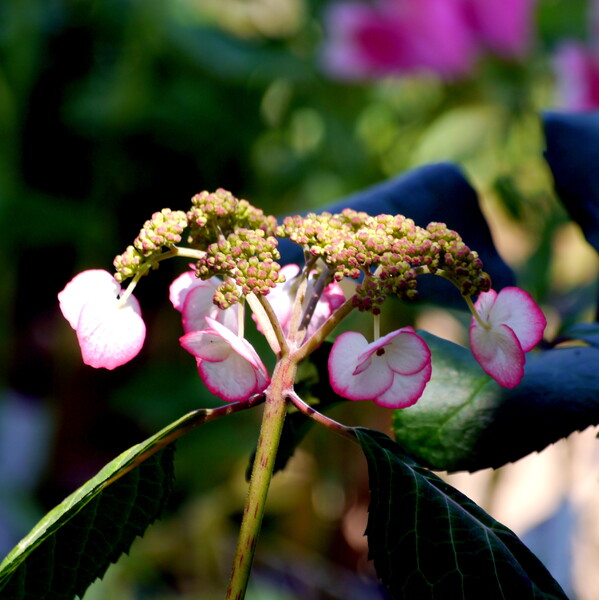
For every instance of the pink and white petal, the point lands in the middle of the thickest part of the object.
(331, 299)
(407, 353)
(576, 67)
(180, 287)
(280, 297)
(198, 304)
(499, 353)
(232, 380)
(229, 317)
(343, 361)
(333, 295)
(110, 335)
(485, 303)
(516, 309)
(86, 286)
(240, 345)
(206, 345)
(289, 271)
(405, 389)
(262, 379)
(365, 358)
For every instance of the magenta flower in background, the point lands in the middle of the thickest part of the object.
(576, 69)
(394, 37)
(512, 325)
(193, 298)
(228, 365)
(505, 27)
(399, 37)
(110, 332)
(392, 371)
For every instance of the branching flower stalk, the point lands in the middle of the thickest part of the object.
(234, 246)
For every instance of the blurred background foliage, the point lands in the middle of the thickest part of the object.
(113, 109)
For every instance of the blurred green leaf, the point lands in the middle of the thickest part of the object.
(464, 419)
(237, 59)
(459, 133)
(428, 540)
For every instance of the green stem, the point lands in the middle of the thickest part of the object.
(474, 312)
(323, 331)
(262, 470)
(153, 260)
(185, 424)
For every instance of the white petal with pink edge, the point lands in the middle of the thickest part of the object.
(280, 297)
(406, 352)
(86, 286)
(110, 334)
(181, 286)
(405, 389)
(232, 380)
(198, 305)
(343, 362)
(239, 345)
(516, 309)
(206, 345)
(331, 299)
(499, 353)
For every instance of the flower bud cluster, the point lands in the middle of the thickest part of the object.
(162, 230)
(388, 251)
(459, 264)
(219, 213)
(246, 259)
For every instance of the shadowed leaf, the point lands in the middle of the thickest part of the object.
(77, 541)
(429, 541)
(572, 152)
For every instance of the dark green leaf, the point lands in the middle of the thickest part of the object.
(429, 541)
(464, 418)
(74, 543)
